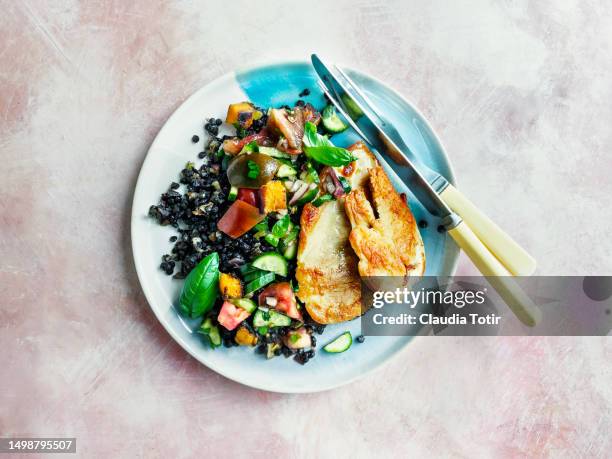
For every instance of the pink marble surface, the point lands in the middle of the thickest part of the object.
(520, 93)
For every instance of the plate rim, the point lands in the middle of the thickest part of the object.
(135, 215)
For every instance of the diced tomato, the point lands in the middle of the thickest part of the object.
(234, 146)
(239, 218)
(285, 299)
(248, 195)
(230, 315)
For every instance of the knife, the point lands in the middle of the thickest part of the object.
(369, 129)
(511, 254)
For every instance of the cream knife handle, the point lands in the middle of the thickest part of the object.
(497, 275)
(512, 255)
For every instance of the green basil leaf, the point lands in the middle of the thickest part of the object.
(201, 288)
(312, 138)
(281, 227)
(320, 148)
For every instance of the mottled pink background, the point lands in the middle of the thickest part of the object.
(521, 94)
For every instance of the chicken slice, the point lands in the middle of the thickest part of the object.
(388, 244)
(326, 271)
(327, 274)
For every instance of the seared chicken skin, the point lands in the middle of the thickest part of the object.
(391, 244)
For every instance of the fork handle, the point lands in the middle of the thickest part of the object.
(497, 275)
(507, 251)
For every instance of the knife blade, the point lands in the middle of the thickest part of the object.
(437, 181)
(369, 128)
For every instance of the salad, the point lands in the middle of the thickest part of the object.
(236, 211)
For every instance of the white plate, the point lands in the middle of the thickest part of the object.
(274, 84)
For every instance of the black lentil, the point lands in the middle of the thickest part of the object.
(441, 229)
(287, 352)
(194, 214)
(423, 224)
(211, 127)
(360, 339)
(305, 92)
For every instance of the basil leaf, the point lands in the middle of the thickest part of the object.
(312, 138)
(201, 288)
(281, 227)
(320, 148)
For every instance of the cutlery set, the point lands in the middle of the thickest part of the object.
(494, 253)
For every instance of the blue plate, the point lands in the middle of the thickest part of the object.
(274, 85)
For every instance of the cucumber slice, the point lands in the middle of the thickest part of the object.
(260, 282)
(346, 185)
(247, 269)
(206, 326)
(233, 193)
(214, 336)
(286, 171)
(291, 250)
(311, 175)
(270, 318)
(321, 199)
(250, 277)
(211, 331)
(273, 262)
(353, 110)
(259, 319)
(292, 234)
(331, 120)
(274, 152)
(340, 344)
(308, 196)
(246, 304)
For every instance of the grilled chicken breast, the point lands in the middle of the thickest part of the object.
(327, 273)
(327, 266)
(351, 236)
(390, 244)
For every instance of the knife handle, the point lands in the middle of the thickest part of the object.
(497, 275)
(511, 255)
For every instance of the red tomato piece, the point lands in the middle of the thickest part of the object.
(230, 315)
(235, 145)
(285, 299)
(239, 218)
(248, 195)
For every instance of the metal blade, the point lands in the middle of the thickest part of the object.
(375, 136)
(436, 180)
